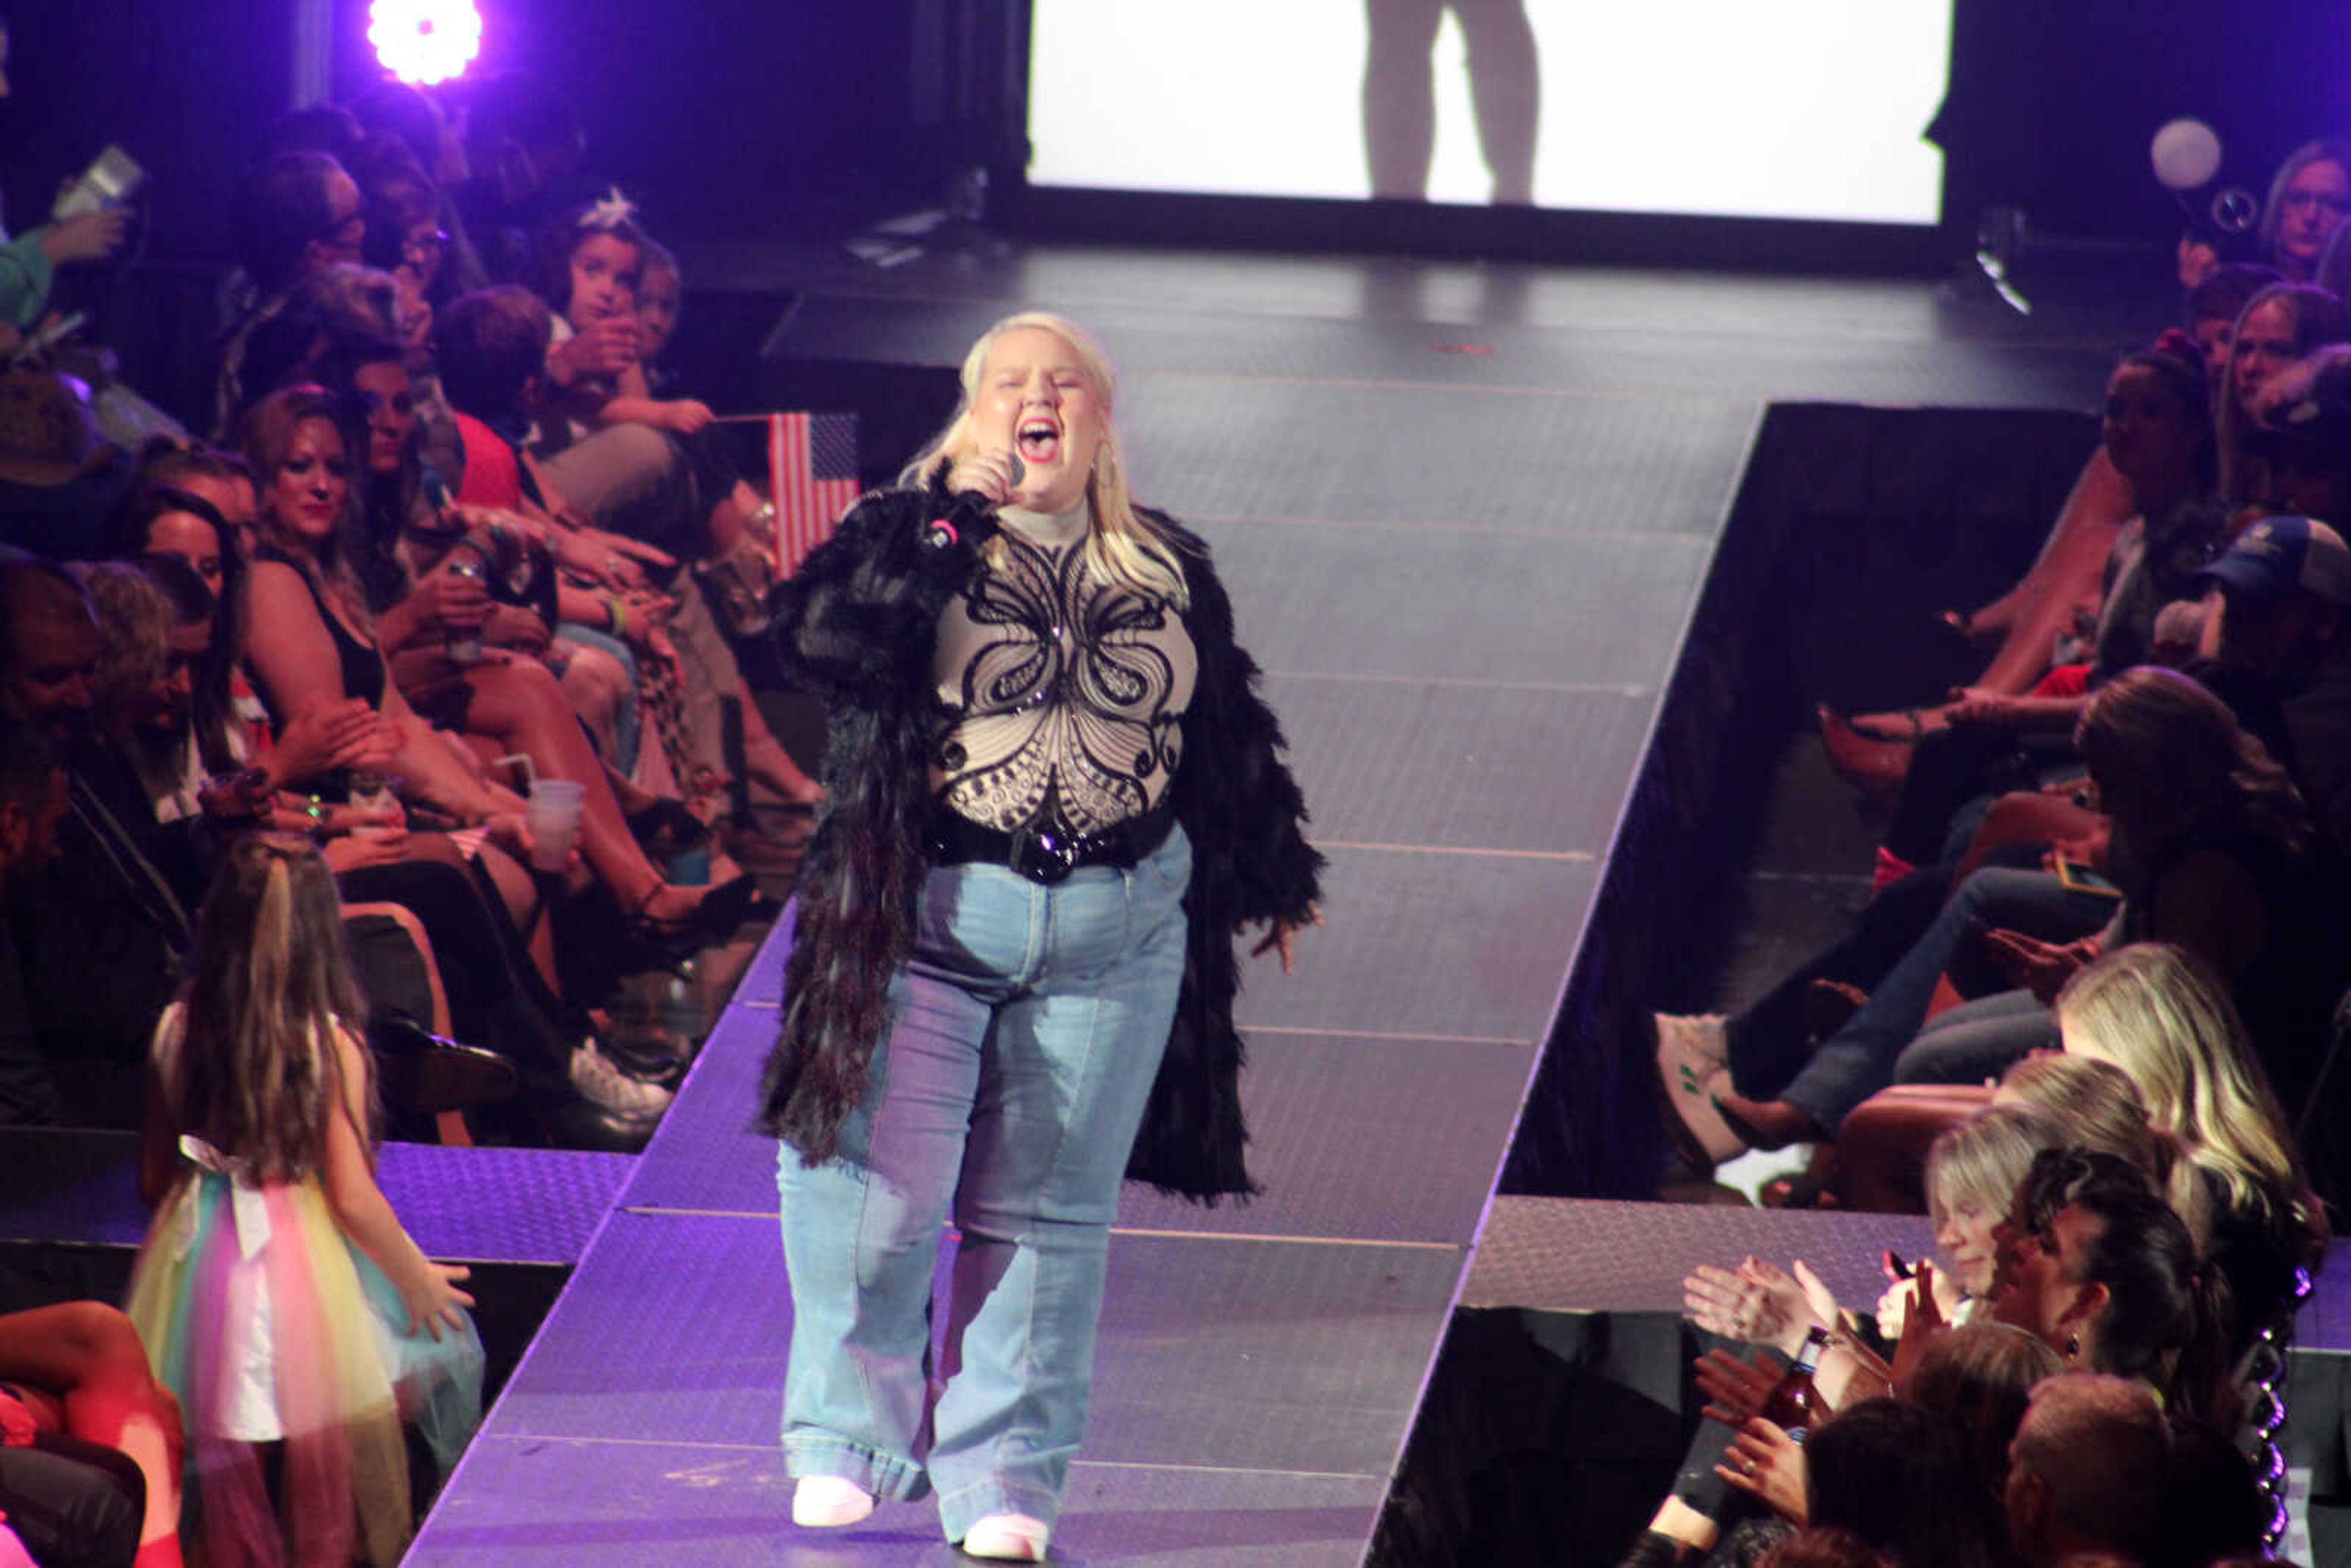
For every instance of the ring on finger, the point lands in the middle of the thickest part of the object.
(1746, 1465)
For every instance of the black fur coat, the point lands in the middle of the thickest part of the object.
(858, 625)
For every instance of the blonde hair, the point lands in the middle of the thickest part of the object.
(2102, 1109)
(1981, 1161)
(258, 1071)
(1123, 545)
(2159, 1017)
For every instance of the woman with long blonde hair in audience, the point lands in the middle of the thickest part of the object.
(2157, 1014)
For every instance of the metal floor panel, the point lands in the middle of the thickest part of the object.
(1588, 354)
(1429, 942)
(1434, 604)
(462, 1205)
(1462, 767)
(618, 1504)
(674, 1328)
(1334, 1157)
(1585, 1255)
(1219, 447)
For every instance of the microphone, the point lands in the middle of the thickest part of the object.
(970, 512)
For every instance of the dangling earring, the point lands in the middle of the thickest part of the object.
(2073, 1347)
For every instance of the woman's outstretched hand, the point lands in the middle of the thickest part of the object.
(1281, 937)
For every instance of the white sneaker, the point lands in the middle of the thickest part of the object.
(1697, 1039)
(1007, 1538)
(828, 1502)
(602, 1082)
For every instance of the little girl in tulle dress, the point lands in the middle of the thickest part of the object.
(277, 1293)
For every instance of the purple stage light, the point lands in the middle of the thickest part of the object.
(424, 41)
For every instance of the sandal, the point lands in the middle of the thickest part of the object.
(1786, 1126)
(715, 917)
(665, 827)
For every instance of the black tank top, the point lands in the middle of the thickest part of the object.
(362, 665)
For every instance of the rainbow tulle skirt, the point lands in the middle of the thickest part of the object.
(289, 1354)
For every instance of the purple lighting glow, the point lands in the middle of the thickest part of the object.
(424, 41)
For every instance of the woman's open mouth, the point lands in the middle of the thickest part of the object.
(1040, 439)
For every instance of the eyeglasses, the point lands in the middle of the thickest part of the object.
(422, 248)
(2304, 201)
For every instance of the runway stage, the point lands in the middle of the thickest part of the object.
(1469, 515)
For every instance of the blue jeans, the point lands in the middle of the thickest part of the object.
(1858, 1060)
(1978, 1041)
(1028, 1027)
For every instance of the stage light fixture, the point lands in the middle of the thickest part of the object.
(425, 41)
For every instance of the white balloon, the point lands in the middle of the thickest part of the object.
(2186, 154)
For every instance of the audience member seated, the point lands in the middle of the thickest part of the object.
(2283, 323)
(96, 1479)
(589, 266)
(59, 481)
(2155, 1013)
(2211, 310)
(2211, 854)
(401, 112)
(492, 363)
(2159, 436)
(2308, 198)
(290, 217)
(512, 601)
(2099, 1267)
(2066, 1507)
(2280, 655)
(308, 642)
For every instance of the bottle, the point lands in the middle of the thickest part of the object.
(466, 647)
(1792, 1402)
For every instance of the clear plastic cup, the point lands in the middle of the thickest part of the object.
(373, 792)
(554, 819)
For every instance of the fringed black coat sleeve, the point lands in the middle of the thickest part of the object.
(859, 624)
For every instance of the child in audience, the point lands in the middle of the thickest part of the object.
(278, 1297)
(590, 265)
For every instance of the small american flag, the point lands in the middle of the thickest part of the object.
(812, 475)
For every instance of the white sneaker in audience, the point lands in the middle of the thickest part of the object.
(1697, 1039)
(602, 1083)
(828, 1502)
(1007, 1538)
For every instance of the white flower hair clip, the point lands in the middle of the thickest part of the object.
(609, 210)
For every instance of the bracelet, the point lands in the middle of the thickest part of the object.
(316, 812)
(616, 617)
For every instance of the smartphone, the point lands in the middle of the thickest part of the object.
(2075, 877)
(1896, 1267)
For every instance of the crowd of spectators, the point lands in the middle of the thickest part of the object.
(440, 541)
(445, 579)
(2089, 1019)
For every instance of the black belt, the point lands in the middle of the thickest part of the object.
(1041, 852)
